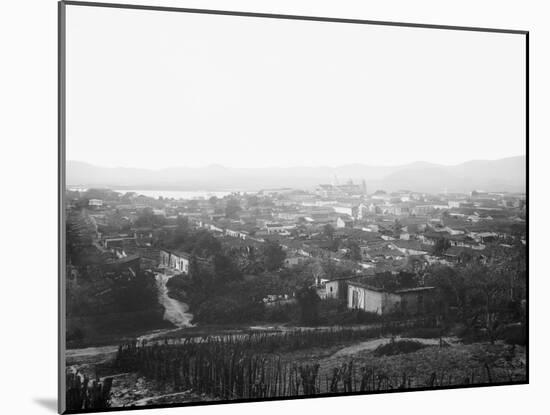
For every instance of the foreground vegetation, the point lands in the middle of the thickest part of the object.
(85, 393)
(105, 302)
(296, 363)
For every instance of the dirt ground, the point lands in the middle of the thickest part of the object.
(449, 364)
(444, 363)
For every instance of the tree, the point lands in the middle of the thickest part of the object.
(103, 194)
(252, 201)
(450, 288)
(213, 201)
(317, 271)
(182, 231)
(273, 256)
(512, 261)
(308, 301)
(415, 264)
(328, 231)
(206, 245)
(397, 225)
(144, 219)
(486, 294)
(225, 269)
(407, 279)
(194, 270)
(354, 251)
(232, 208)
(441, 245)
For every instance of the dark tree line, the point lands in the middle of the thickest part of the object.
(484, 296)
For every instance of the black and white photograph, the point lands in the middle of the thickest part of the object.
(264, 207)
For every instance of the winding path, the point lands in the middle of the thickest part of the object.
(176, 312)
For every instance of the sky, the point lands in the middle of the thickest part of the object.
(154, 89)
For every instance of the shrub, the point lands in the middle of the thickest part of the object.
(178, 282)
(513, 334)
(221, 310)
(352, 317)
(282, 313)
(398, 347)
(458, 330)
(424, 333)
(75, 334)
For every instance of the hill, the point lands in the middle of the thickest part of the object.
(507, 174)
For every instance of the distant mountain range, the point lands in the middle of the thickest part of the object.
(508, 174)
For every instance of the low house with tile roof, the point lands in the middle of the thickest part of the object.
(174, 260)
(373, 299)
(458, 255)
(338, 288)
(410, 247)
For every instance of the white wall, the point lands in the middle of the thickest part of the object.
(368, 300)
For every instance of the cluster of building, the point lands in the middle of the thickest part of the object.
(367, 234)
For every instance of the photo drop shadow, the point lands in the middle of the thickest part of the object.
(48, 403)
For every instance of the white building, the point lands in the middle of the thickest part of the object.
(343, 222)
(95, 202)
(277, 228)
(374, 300)
(178, 261)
